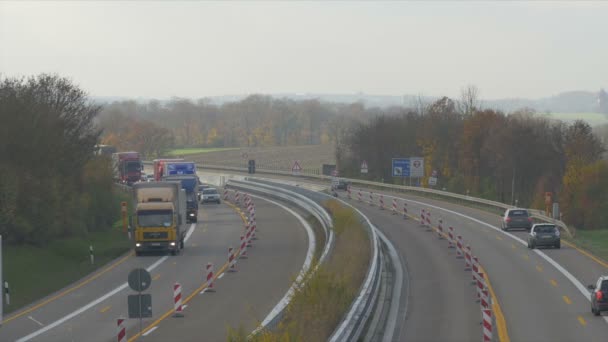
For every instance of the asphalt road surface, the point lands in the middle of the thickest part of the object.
(87, 310)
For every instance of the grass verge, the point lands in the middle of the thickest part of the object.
(594, 241)
(186, 151)
(321, 301)
(35, 272)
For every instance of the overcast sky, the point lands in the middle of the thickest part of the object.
(198, 49)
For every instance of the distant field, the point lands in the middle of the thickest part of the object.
(593, 119)
(310, 157)
(187, 151)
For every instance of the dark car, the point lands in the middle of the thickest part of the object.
(342, 184)
(516, 218)
(599, 296)
(544, 235)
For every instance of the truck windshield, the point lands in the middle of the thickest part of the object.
(154, 218)
(133, 166)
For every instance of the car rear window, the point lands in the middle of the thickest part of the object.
(518, 213)
(544, 229)
(209, 192)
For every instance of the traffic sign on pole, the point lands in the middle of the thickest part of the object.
(296, 168)
(416, 167)
(139, 279)
(401, 167)
(364, 168)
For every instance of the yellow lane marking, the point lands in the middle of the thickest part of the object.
(501, 323)
(539, 268)
(582, 321)
(192, 295)
(587, 254)
(567, 300)
(526, 256)
(156, 277)
(553, 282)
(105, 309)
(498, 237)
(72, 289)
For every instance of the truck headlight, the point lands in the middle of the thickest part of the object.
(191, 214)
(138, 244)
(172, 243)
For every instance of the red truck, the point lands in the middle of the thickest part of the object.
(127, 167)
(159, 167)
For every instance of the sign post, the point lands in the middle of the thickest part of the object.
(401, 168)
(296, 169)
(123, 210)
(139, 305)
(417, 167)
(364, 168)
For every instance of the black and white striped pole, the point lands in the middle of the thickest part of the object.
(91, 253)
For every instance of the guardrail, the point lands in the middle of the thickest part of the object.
(538, 214)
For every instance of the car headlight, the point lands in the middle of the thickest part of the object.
(138, 244)
(172, 243)
(191, 214)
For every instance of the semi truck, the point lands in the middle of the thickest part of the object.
(159, 223)
(185, 173)
(127, 167)
(159, 167)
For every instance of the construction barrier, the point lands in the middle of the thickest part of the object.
(451, 237)
(210, 278)
(422, 217)
(231, 260)
(467, 258)
(404, 210)
(440, 229)
(394, 206)
(359, 196)
(121, 332)
(225, 194)
(487, 325)
(237, 197)
(243, 248)
(348, 191)
(371, 198)
(459, 247)
(381, 202)
(177, 300)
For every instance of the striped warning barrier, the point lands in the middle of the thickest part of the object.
(451, 237)
(349, 193)
(467, 258)
(487, 325)
(371, 198)
(429, 227)
(394, 209)
(485, 298)
(440, 229)
(210, 278)
(231, 260)
(459, 247)
(225, 194)
(422, 217)
(177, 301)
(243, 248)
(381, 202)
(121, 331)
(404, 210)
(237, 197)
(359, 196)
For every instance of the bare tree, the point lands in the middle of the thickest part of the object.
(469, 99)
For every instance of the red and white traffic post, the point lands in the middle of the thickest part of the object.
(225, 194)
(381, 202)
(359, 196)
(422, 217)
(243, 254)
(177, 300)
(467, 258)
(231, 260)
(349, 192)
(237, 197)
(487, 324)
(404, 210)
(210, 277)
(440, 229)
(121, 331)
(371, 198)
(394, 206)
(459, 248)
(428, 221)
(450, 237)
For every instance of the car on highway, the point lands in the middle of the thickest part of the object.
(342, 184)
(544, 235)
(202, 187)
(516, 218)
(149, 178)
(599, 296)
(210, 195)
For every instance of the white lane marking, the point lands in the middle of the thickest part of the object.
(282, 304)
(204, 290)
(149, 331)
(96, 301)
(184, 306)
(221, 276)
(33, 319)
(582, 289)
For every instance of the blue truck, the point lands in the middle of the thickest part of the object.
(185, 172)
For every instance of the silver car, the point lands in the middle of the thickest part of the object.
(210, 195)
(545, 235)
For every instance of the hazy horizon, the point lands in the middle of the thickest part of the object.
(206, 49)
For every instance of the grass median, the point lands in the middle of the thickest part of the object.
(594, 241)
(323, 299)
(36, 272)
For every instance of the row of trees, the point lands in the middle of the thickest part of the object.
(516, 157)
(254, 121)
(50, 185)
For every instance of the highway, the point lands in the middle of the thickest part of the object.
(538, 301)
(87, 310)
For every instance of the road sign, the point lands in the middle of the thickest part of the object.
(296, 168)
(401, 167)
(432, 181)
(140, 305)
(139, 279)
(417, 167)
(364, 167)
